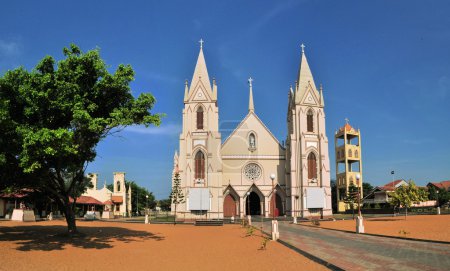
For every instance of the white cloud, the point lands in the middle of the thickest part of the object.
(164, 129)
(274, 12)
(10, 48)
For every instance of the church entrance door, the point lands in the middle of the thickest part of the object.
(254, 202)
(229, 206)
(279, 206)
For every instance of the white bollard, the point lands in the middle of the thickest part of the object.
(275, 232)
(438, 210)
(249, 218)
(359, 224)
(295, 220)
(232, 219)
(146, 219)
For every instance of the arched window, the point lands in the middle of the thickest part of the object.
(118, 186)
(312, 166)
(356, 154)
(199, 165)
(200, 118)
(349, 153)
(252, 141)
(310, 121)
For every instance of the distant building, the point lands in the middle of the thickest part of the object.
(118, 201)
(381, 194)
(441, 185)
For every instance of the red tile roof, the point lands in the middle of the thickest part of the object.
(18, 194)
(87, 200)
(117, 199)
(442, 185)
(391, 185)
(108, 202)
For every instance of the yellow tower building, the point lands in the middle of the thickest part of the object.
(347, 142)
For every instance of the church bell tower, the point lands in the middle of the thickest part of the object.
(198, 161)
(308, 165)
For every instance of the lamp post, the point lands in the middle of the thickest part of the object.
(359, 219)
(358, 177)
(272, 177)
(438, 209)
(146, 209)
(137, 202)
(275, 233)
(295, 209)
(248, 209)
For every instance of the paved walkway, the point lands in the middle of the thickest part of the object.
(364, 252)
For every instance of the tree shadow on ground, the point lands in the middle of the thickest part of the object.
(48, 238)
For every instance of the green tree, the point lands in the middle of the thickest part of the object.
(176, 196)
(432, 192)
(164, 204)
(443, 196)
(333, 195)
(367, 188)
(53, 117)
(351, 198)
(406, 195)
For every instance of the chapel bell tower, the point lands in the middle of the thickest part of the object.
(347, 142)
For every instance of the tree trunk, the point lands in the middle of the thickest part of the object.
(175, 217)
(70, 218)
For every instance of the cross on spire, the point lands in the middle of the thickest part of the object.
(250, 80)
(303, 47)
(346, 120)
(201, 41)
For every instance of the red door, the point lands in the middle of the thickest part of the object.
(229, 206)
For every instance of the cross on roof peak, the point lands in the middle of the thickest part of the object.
(201, 41)
(303, 47)
(346, 120)
(250, 80)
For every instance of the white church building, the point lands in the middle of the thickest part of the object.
(250, 172)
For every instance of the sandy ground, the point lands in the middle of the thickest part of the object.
(430, 227)
(126, 246)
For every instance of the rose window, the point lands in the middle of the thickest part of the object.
(252, 171)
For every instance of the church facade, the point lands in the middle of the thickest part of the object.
(250, 172)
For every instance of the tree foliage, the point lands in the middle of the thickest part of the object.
(406, 195)
(351, 198)
(164, 204)
(176, 196)
(367, 188)
(441, 195)
(53, 117)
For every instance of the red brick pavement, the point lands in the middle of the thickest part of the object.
(363, 252)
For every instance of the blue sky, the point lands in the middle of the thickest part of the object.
(385, 65)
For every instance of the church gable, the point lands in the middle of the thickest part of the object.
(310, 98)
(251, 137)
(200, 93)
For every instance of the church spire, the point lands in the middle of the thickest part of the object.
(200, 72)
(322, 102)
(251, 107)
(305, 77)
(186, 90)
